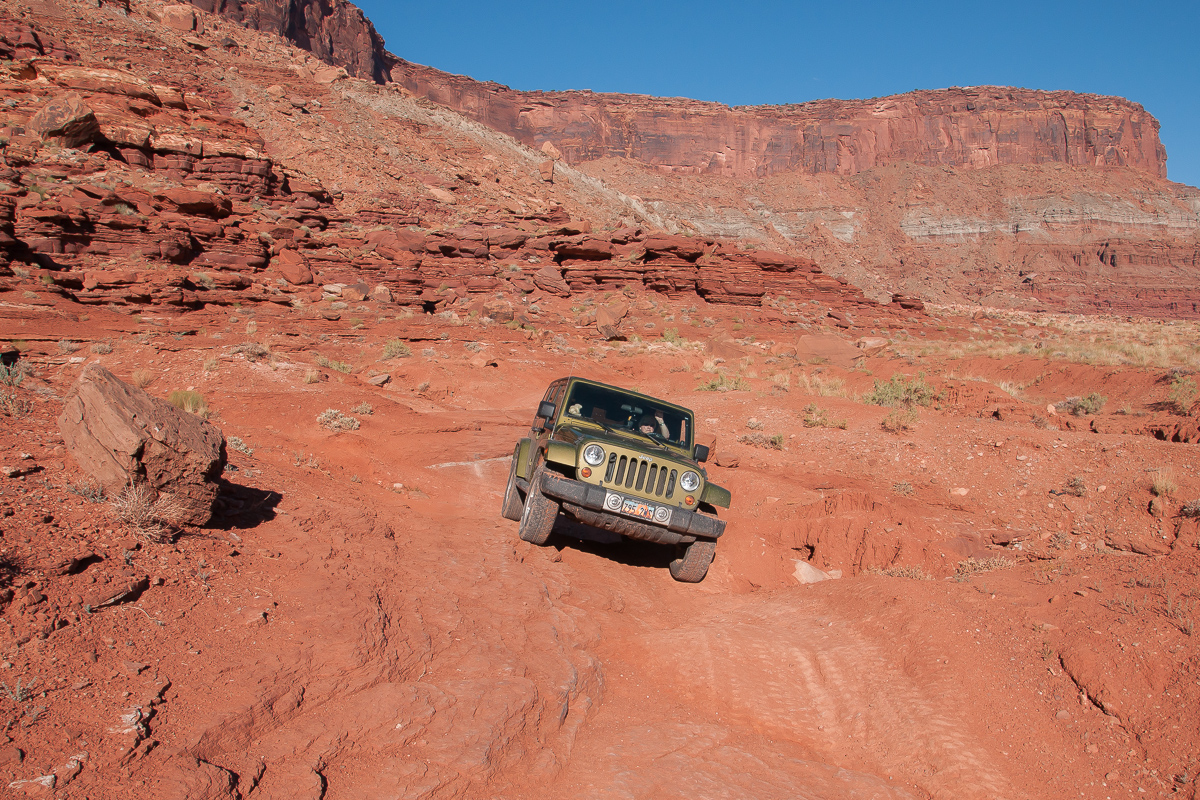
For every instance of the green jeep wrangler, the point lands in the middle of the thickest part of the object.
(621, 461)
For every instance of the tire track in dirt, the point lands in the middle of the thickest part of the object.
(780, 668)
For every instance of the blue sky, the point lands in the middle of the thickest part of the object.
(777, 52)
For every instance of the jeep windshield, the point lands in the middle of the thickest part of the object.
(618, 411)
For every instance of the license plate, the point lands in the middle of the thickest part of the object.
(635, 508)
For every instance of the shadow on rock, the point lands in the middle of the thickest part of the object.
(240, 507)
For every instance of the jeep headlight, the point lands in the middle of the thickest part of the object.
(593, 454)
(690, 481)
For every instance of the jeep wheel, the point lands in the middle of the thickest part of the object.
(694, 565)
(512, 507)
(537, 520)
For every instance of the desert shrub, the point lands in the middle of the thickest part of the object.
(236, 443)
(762, 440)
(1182, 394)
(815, 417)
(339, 366)
(396, 349)
(13, 404)
(916, 573)
(902, 392)
(312, 376)
(672, 335)
(102, 348)
(723, 383)
(1082, 406)
(142, 378)
(189, 401)
(972, 566)
(336, 421)
(13, 376)
(211, 364)
(150, 516)
(1076, 486)
(66, 346)
(903, 488)
(363, 408)
(899, 419)
(1190, 510)
(253, 351)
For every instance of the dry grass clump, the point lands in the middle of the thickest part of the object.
(723, 383)
(150, 516)
(366, 409)
(1183, 394)
(336, 421)
(903, 488)
(102, 348)
(312, 376)
(189, 401)
(1077, 338)
(1162, 483)
(822, 385)
(972, 566)
(142, 378)
(66, 346)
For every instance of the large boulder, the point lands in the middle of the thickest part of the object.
(119, 435)
(66, 119)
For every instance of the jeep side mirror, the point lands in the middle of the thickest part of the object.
(546, 409)
(701, 453)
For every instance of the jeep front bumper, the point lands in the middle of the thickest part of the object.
(602, 508)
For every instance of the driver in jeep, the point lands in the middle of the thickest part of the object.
(652, 424)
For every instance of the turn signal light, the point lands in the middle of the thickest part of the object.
(585, 472)
(689, 500)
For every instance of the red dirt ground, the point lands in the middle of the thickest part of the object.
(360, 622)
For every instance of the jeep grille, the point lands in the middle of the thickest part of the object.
(640, 475)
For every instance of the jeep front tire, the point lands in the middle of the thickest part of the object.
(537, 520)
(693, 566)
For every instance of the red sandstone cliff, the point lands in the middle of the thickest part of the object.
(334, 31)
(960, 127)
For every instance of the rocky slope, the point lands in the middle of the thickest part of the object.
(1004, 196)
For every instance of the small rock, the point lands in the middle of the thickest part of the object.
(1063, 714)
(380, 380)
(133, 667)
(960, 491)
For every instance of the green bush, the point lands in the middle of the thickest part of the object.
(902, 392)
(339, 366)
(1083, 406)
